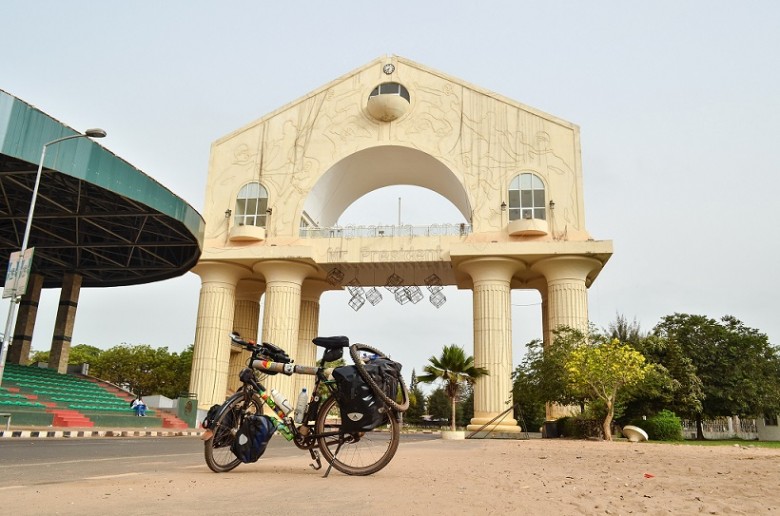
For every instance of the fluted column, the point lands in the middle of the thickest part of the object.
(566, 303)
(19, 350)
(63, 325)
(491, 277)
(216, 309)
(281, 312)
(306, 352)
(540, 285)
(567, 295)
(246, 320)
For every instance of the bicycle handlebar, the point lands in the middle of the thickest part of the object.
(279, 367)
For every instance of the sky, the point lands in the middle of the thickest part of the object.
(677, 103)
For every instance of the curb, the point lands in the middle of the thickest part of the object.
(41, 434)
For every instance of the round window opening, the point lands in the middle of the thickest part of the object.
(388, 101)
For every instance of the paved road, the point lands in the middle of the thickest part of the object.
(31, 463)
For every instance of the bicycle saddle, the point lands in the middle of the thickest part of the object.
(337, 342)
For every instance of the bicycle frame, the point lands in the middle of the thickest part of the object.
(302, 435)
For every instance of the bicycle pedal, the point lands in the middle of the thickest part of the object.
(316, 456)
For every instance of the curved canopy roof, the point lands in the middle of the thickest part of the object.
(95, 215)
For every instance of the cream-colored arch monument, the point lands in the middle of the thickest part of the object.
(277, 187)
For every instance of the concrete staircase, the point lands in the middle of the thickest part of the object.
(169, 420)
(69, 418)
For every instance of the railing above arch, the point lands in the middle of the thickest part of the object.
(407, 230)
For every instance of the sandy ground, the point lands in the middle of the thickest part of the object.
(536, 477)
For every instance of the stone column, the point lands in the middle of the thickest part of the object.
(306, 352)
(567, 295)
(491, 278)
(216, 308)
(245, 321)
(567, 303)
(281, 312)
(19, 350)
(63, 325)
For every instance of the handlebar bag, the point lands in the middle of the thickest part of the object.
(252, 437)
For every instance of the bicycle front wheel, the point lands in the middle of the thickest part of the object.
(355, 453)
(219, 456)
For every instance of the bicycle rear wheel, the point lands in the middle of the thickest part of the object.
(219, 456)
(356, 453)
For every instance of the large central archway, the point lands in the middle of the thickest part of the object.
(376, 167)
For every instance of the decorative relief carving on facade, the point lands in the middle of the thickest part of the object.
(435, 113)
(482, 139)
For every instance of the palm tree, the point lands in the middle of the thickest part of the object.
(454, 369)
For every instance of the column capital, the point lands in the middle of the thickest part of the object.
(567, 267)
(284, 270)
(222, 272)
(491, 268)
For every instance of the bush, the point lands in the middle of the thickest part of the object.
(664, 426)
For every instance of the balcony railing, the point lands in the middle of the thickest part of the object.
(434, 230)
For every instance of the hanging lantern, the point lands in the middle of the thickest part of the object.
(437, 299)
(393, 282)
(335, 277)
(374, 296)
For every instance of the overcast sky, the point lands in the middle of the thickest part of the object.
(678, 105)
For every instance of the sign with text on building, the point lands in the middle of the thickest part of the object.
(18, 275)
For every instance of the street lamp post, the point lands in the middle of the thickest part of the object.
(89, 133)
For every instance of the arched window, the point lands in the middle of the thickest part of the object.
(526, 198)
(251, 205)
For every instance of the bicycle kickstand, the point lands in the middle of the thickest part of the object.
(315, 455)
(336, 454)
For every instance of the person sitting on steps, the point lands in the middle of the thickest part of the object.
(139, 406)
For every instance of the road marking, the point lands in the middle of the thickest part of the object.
(80, 461)
(119, 475)
(10, 487)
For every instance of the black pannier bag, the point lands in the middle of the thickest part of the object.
(385, 373)
(361, 409)
(252, 437)
(208, 421)
(222, 435)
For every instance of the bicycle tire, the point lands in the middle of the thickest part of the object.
(361, 453)
(218, 454)
(354, 352)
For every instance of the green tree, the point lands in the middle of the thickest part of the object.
(465, 409)
(416, 402)
(541, 377)
(79, 354)
(529, 403)
(671, 385)
(737, 366)
(625, 331)
(439, 405)
(145, 370)
(454, 370)
(84, 354)
(603, 370)
(39, 356)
